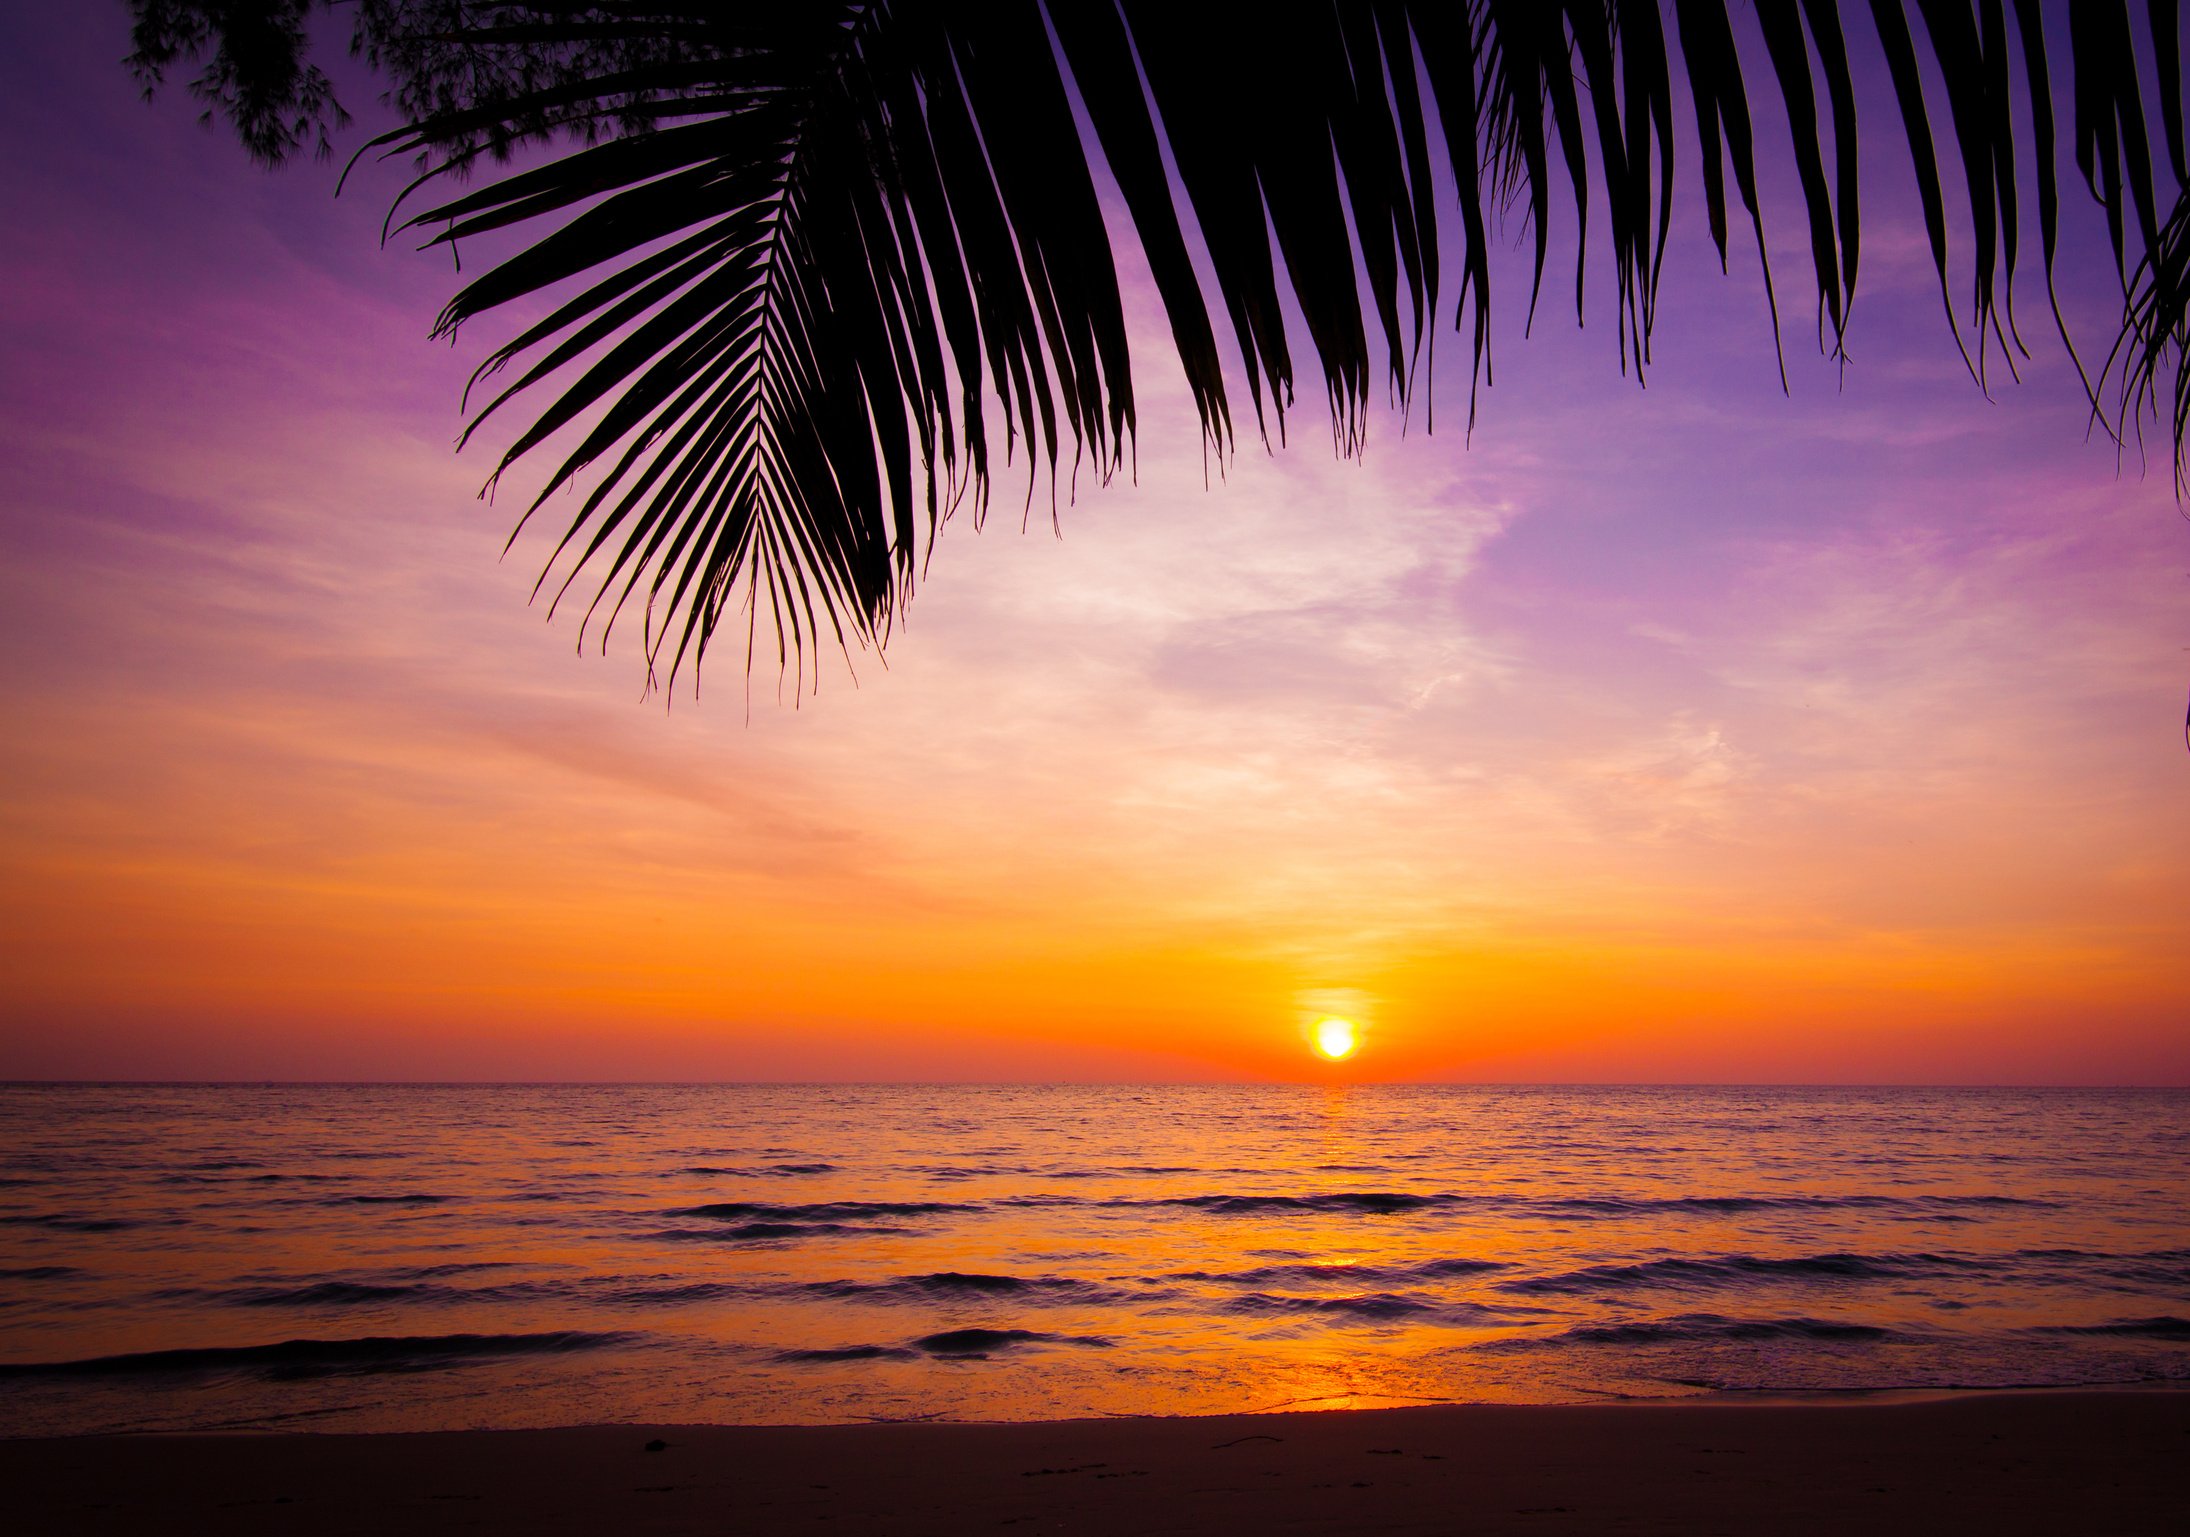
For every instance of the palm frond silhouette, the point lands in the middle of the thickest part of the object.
(803, 256)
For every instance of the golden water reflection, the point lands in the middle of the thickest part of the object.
(764, 1254)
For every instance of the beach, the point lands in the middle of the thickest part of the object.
(1998, 1463)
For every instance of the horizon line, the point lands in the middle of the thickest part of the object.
(1058, 1083)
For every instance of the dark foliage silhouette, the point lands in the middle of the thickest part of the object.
(801, 252)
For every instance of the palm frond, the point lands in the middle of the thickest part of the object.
(793, 300)
(799, 258)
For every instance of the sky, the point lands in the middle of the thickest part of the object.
(1701, 732)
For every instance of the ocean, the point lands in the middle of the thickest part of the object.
(377, 1257)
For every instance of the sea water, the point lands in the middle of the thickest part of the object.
(408, 1257)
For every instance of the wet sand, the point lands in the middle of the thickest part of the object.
(2116, 1463)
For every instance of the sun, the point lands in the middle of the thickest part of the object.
(1336, 1038)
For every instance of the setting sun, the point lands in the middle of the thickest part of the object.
(1336, 1039)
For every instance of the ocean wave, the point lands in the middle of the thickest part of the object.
(1690, 1328)
(848, 1353)
(758, 1232)
(758, 1171)
(70, 1222)
(342, 1293)
(408, 1199)
(640, 1294)
(2163, 1327)
(1736, 1205)
(956, 1283)
(604, 1290)
(967, 1170)
(1689, 1273)
(39, 1273)
(2163, 1268)
(1361, 1202)
(979, 1344)
(820, 1211)
(335, 1294)
(1379, 1203)
(35, 1163)
(320, 1358)
(2168, 1268)
(1369, 1307)
(1337, 1275)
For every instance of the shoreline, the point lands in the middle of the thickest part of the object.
(2035, 1460)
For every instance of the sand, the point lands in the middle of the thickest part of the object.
(2113, 1463)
